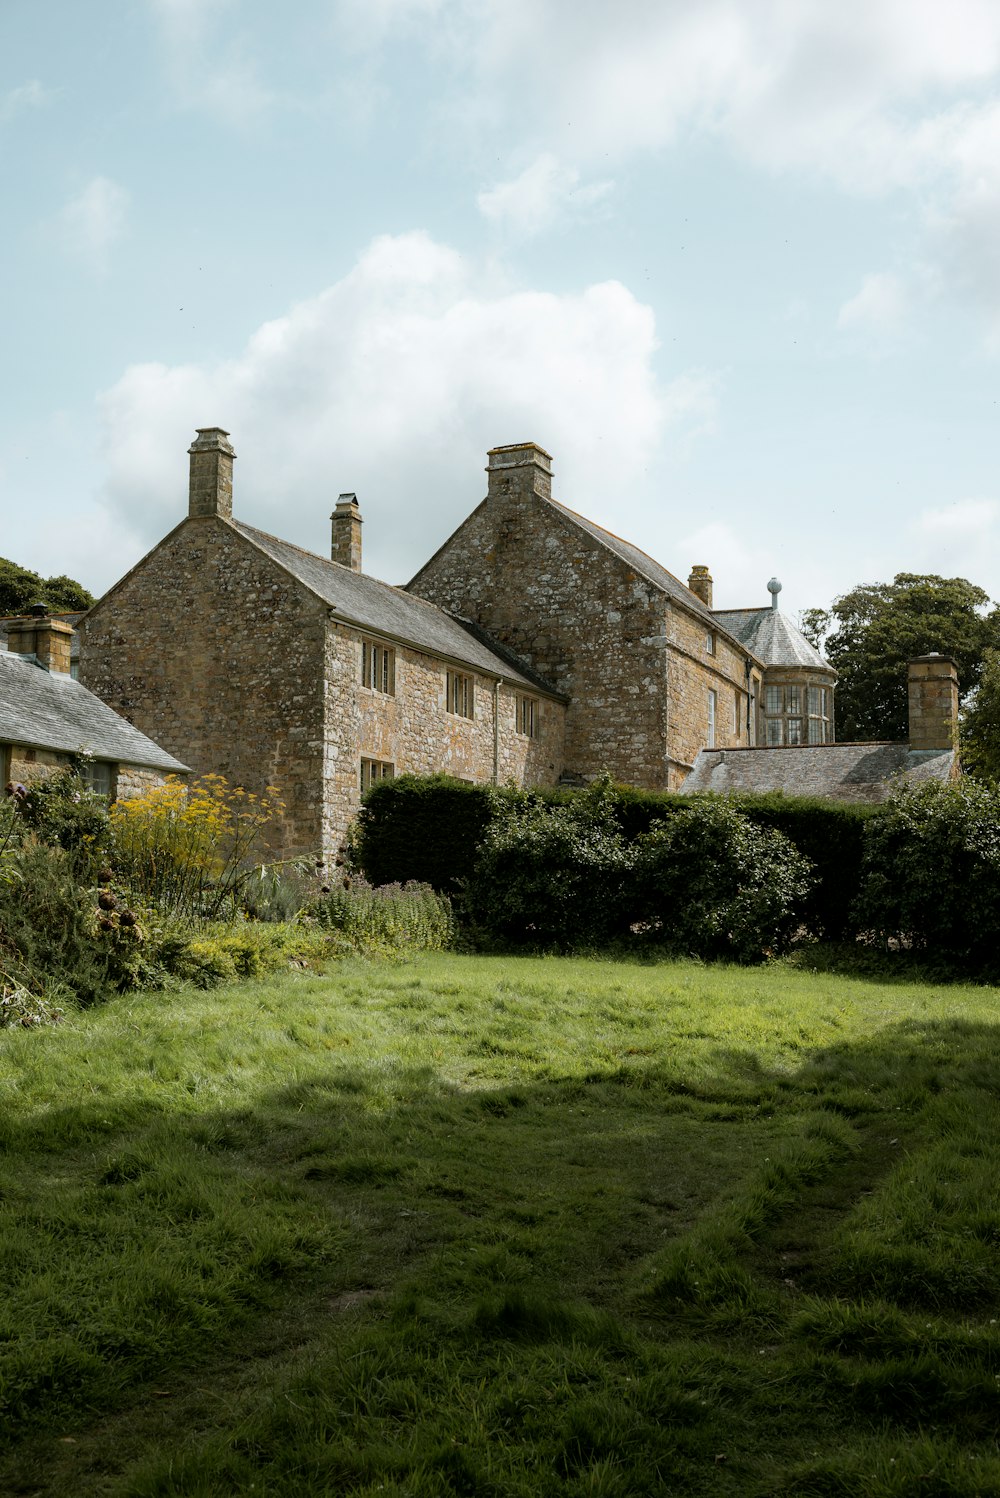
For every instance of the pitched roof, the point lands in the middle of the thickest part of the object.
(842, 772)
(772, 638)
(373, 605)
(44, 710)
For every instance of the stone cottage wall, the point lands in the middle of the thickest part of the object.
(693, 670)
(216, 653)
(413, 731)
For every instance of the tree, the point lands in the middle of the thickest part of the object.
(980, 735)
(881, 626)
(20, 588)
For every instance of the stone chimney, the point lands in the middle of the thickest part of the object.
(345, 544)
(519, 471)
(210, 490)
(700, 583)
(933, 702)
(48, 640)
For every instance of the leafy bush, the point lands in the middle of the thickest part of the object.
(552, 875)
(63, 812)
(422, 828)
(210, 953)
(710, 883)
(393, 915)
(187, 849)
(54, 937)
(931, 874)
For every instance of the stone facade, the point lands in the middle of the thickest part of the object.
(637, 662)
(232, 647)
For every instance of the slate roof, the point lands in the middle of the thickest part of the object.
(650, 569)
(370, 604)
(772, 638)
(44, 710)
(841, 772)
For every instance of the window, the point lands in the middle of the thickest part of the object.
(773, 729)
(527, 716)
(713, 702)
(794, 727)
(97, 775)
(378, 667)
(459, 694)
(737, 706)
(819, 715)
(710, 643)
(772, 700)
(374, 770)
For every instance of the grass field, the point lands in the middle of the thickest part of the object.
(505, 1227)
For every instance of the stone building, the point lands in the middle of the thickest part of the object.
(534, 646)
(48, 720)
(271, 665)
(852, 772)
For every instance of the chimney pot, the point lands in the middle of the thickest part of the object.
(210, 487)
(700, 583)
(345, 532)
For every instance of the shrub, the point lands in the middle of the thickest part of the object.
(552, 875)
(931, 874)
(423, 829)
(187, 849)
(710, 883)
(393, 915)
(62, 811)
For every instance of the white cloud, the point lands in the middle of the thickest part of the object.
(92, 222)
(879, 308)
(544, 193)
(393, 383)
(209, 70)
(30, 95)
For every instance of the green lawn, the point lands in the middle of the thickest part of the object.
(505, 1226)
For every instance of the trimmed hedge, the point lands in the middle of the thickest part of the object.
(430, 828)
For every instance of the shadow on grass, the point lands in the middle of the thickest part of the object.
(634, 1271)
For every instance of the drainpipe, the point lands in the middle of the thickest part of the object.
(496, 732)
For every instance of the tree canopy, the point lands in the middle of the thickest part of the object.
(877, 627)
(20, 588)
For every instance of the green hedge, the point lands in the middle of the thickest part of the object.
(429, 828)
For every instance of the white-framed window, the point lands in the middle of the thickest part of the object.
(527, 716)
(710, 643)
(378, 667)
(460, 694)
(97, 775)
(713, 705)
(374, 770)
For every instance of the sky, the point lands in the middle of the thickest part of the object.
(734, 263)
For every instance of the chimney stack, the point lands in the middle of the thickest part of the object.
(932, 682)
(48, 640)
(700, 583)
(345, 544)
(210, 490)
(519, 471)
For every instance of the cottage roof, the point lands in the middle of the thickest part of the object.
(44, 710)
(373, 605)
(772, 638)
(842, 772)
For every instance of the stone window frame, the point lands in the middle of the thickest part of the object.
(789, 717)
(526, 710)
(374, 770)
(378, 667)
(713, 717)
(710, 642)
(460, 694)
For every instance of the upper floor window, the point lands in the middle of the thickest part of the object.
(527, 716)
(796, 714)
(710, 643)
(713, 704)
(378, 667)
(460, 694)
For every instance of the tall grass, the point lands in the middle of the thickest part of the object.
(505, 1226)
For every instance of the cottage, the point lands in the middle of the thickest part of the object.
(48, 719)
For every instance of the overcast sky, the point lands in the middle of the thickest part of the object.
(734, 263)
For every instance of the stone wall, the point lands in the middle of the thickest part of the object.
(135, 780)
(413, 731)
(216, 653)
(634, 666)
